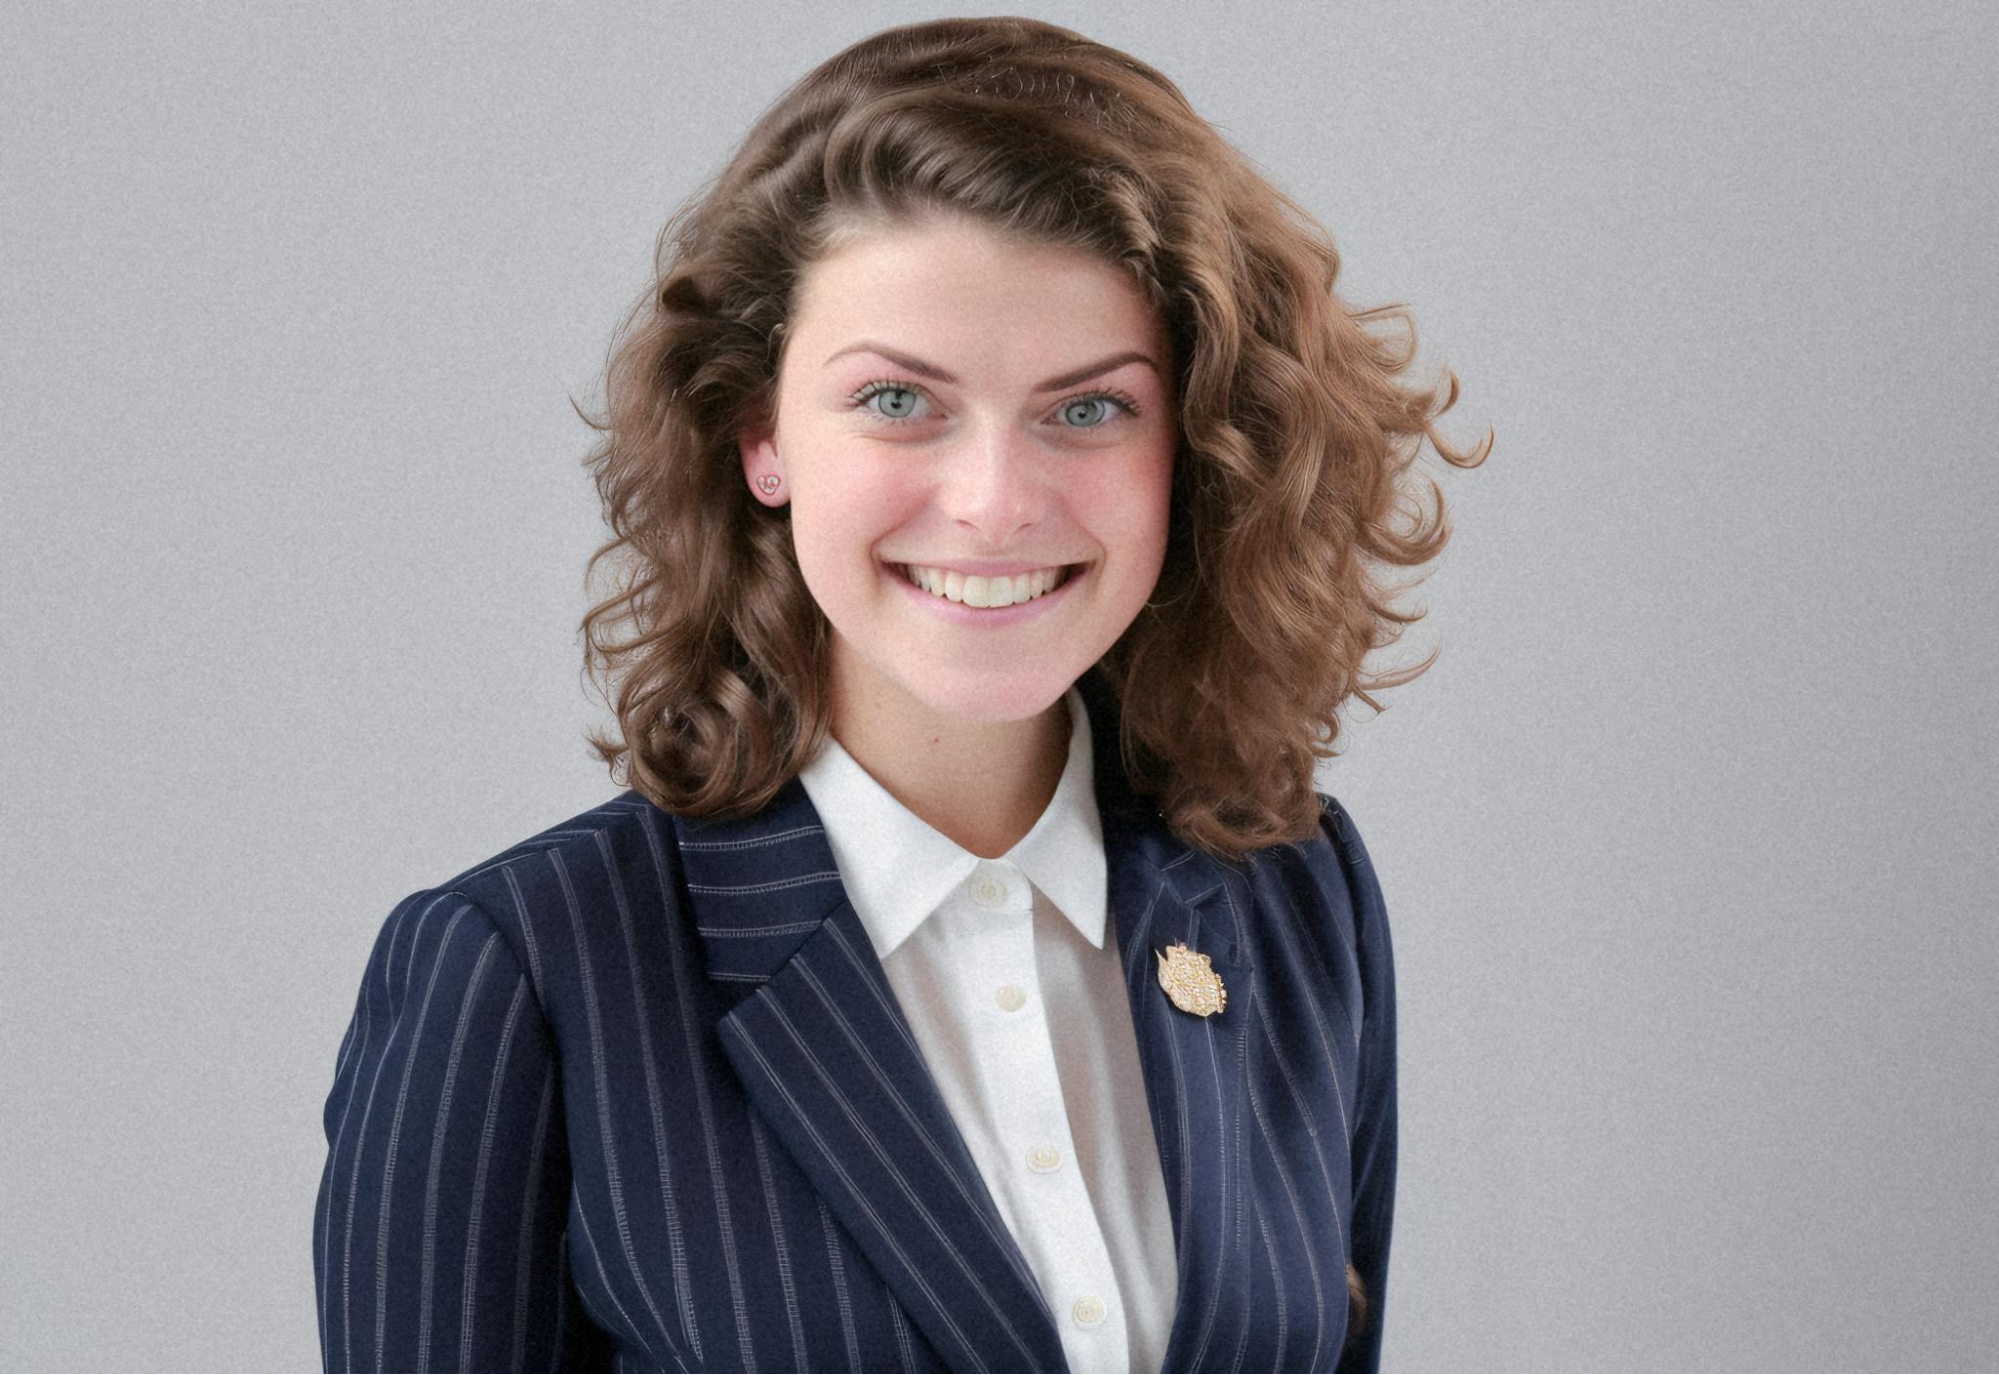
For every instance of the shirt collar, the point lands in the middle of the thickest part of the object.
(897, 869)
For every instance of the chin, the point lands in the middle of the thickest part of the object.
(990, 703)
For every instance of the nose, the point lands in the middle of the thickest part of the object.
(996, 486)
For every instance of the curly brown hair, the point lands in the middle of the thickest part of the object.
(1295, 433)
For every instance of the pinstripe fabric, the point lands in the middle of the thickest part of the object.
(974, 969)
(635, 1094)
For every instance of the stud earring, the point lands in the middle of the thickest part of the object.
(769, 482)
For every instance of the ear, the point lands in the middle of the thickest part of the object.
(758, 447)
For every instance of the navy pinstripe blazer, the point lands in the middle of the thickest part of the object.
(635, 1094)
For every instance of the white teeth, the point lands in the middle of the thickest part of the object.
(985, 592)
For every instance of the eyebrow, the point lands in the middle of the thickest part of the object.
(937, 374)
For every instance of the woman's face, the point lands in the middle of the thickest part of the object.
(955, 401)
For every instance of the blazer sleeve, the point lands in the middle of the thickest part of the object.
(1374, 1130)
(439, 1239)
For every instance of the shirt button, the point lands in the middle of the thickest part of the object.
(988, 891)
(1042, 1159)
(1089, 1311)
(1010, 998)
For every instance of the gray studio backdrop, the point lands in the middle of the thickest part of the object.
(1687, 839)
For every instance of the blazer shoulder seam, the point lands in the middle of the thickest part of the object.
(511, 940)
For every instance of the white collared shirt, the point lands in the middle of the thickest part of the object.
(1052, 1108)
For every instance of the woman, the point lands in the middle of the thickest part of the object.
(971, 978)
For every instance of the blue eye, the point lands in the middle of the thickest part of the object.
(1087, 412)
(898, 402)
(1082, 412)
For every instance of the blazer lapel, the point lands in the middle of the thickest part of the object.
(826, 1057)
(1163, 891)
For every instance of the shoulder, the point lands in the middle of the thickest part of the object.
(1322, 907)
(1329, 869)
(580, 833)
(1367, 912)
(561, 876)
(1356, 868)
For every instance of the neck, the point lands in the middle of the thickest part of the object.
(982, 784)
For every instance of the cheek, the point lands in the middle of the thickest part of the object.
(1130, 509)
(837, 525)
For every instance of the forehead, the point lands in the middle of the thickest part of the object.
(946, 280)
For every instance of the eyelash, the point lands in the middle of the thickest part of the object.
(1123, 400)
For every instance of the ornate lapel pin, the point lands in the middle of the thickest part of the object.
(1191, 982)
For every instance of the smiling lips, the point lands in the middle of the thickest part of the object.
(987, 591)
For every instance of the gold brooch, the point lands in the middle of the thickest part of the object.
(1191, 982)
